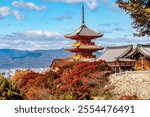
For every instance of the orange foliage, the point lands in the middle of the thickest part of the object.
(73, 80)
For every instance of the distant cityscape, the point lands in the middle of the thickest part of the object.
(8, 73)
(38, 61)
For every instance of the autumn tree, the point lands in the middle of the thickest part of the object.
(139, 11)
(8, 90)
(35, 86)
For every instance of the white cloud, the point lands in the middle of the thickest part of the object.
(119, 41)
(34, 40)
(38, 39)
(17, 15)
(28, 5)
(93, 4)
(4, 11)
(42, 34)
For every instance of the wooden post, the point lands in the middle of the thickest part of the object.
(136, 65)
(148, 62)
(125, 66)
(115, 68)
(142, 64)
(119, 66)
(149, 65)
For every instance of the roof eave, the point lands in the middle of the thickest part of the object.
(146, 55)
(83, 49)
(83, 36)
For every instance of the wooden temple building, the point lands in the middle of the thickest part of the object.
(122, 58)
(114, 56)
(141, 55)
(84, 47)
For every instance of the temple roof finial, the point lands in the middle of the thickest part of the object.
(83, 13)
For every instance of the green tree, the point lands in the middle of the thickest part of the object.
(139, 11)
(8, 90)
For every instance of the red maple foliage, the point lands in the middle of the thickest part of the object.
(82, 78)
(73, 80)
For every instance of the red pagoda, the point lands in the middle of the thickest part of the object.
(84, 47)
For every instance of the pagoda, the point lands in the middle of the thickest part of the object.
(84, 47)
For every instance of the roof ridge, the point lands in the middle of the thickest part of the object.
(125, 52)
(116, 47)
(141, 47)
(133, 51)
(82, 26)
(147, 45)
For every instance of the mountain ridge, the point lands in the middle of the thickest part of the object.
(13, 58)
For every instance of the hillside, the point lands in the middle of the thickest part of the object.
(10, 58)
(29, 59)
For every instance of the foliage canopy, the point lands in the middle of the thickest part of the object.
(8, 90)
(139, 11)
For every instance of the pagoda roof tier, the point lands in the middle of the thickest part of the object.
(80, 48)
(84, 33)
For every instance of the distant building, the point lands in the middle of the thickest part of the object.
(84, 47)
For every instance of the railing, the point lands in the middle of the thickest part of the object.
(83, 43)
(83, 56)
(132, 72)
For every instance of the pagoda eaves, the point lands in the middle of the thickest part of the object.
(84, 32)
(84, 48)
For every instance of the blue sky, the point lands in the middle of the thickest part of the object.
(42, 24)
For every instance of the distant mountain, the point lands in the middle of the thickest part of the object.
(10, 58)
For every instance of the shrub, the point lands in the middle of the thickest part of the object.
(8, 90)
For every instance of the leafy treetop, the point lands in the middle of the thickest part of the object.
(139, 11)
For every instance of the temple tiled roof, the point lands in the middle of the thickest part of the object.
(112, 54)
(143, 49)
(124, 53)
(131, 53)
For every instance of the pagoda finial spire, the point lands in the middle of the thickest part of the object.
(83, 13)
